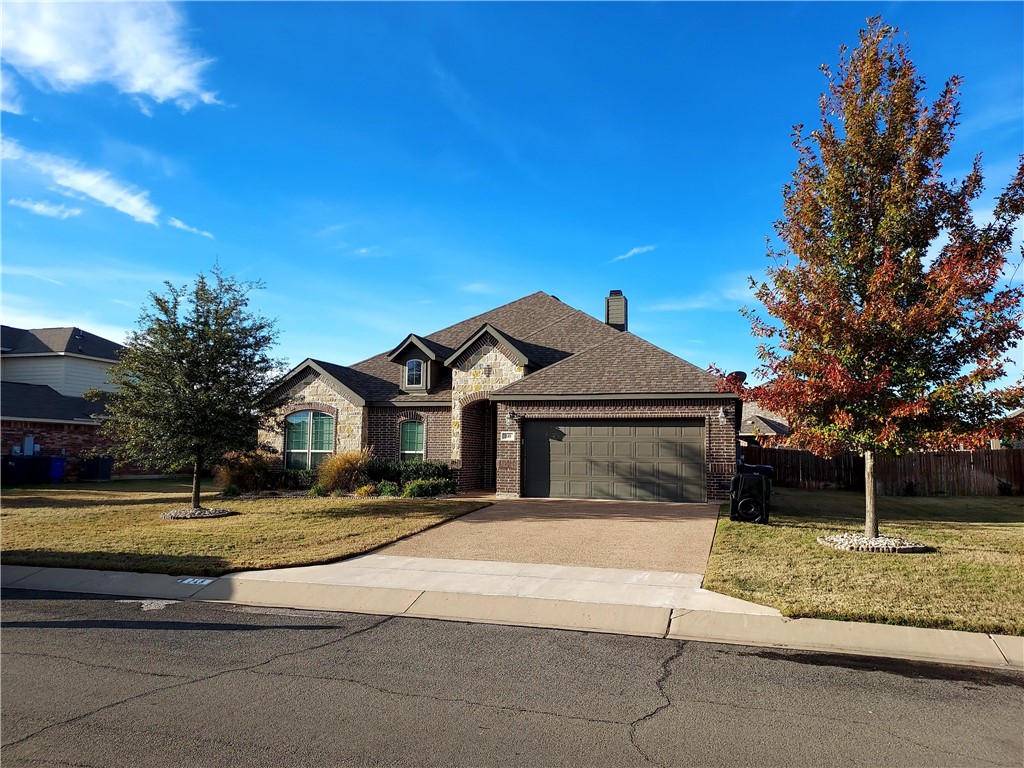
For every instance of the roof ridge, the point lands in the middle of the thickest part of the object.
(492, 310)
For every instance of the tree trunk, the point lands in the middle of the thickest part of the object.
(197, 468)
(870, 513)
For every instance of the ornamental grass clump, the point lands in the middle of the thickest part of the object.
(344, 472)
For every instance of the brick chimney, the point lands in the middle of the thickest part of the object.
(616, 310)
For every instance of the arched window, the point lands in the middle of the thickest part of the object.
(308, 439)
(414, 374)
(412, 441)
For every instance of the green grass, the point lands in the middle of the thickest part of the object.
(973, 580)
(117, 526)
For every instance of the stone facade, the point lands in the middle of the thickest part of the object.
(313, 393)
(483, 368)
(720, 440)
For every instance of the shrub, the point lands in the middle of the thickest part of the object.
(344, 471)
(436, 486)
(366, 490)
(382, 470)
(293, 479)
(424, 470)
(317, 491)
(1005, 487)
(248, 472)
(230, 491)
(388, 488)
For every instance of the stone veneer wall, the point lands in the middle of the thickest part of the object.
(384, 425)
(313, 393)
(483, 368)
(720, 440)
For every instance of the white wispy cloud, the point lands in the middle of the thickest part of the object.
(179, 224)
(485, 288)
(730, 292)
(10, 98)
(16, 271)
(43, 208)
(634, 252)
(139, 48)
(97, 185)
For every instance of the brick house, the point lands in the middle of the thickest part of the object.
(44, 373)
(533, 398)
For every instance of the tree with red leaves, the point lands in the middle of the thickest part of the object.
(893, 312)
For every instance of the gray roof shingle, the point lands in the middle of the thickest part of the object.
(623, 364)
(75, 341)
(576, 354)
(38, 401)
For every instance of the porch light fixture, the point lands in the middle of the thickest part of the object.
(721, 416)
(512, 417)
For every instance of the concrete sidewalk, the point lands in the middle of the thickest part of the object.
(643, 603)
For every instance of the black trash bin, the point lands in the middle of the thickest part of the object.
(15, 470)
(97, 468)
(750, 498)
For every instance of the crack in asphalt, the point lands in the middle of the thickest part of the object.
(663, 677)
(452, 700)
(58, 657)
(193, 681)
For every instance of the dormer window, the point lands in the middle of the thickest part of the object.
(414, 374)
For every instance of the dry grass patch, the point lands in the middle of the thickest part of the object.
(972, 581)
(117, 526)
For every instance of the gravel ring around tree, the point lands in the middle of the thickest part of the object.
(858, 542)
(191, 513)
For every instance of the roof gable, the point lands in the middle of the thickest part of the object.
(432, 350)
(512, 347)
(335, 374)
(623, 365)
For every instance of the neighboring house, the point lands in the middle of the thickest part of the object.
(533, 398)
(997, 444)
(757, 423)
(44, 373)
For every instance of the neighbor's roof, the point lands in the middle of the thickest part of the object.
(756, 420)
(38, 401)
(546, 332)
(70, 341)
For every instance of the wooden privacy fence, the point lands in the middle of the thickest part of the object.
(954, 473)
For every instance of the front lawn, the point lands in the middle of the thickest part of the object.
(972, 581)
(117, 526)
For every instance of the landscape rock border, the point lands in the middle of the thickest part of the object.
(858, 542)
(189, 513)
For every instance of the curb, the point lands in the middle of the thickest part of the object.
(941, 646)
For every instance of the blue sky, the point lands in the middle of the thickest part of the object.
(389, 168)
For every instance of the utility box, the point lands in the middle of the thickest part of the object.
(750, 497)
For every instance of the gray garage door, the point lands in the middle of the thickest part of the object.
(649, 460)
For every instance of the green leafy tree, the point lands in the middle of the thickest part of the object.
(195, 380)
(891, 314)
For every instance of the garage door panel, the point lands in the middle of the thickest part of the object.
(646, 459)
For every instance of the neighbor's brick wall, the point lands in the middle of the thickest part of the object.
(719, 448)
(384, 424)
(483, 368)
(68, 440)
(313, 393)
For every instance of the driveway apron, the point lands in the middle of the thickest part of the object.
(597, 534)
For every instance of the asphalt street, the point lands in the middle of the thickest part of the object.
(95, 681)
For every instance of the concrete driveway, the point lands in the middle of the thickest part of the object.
(597, 534)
